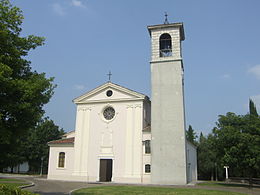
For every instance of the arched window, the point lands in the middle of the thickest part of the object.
(147, 144)
(61, 159)
(165, 45)
(147, 168)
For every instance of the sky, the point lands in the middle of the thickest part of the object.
(85, 39)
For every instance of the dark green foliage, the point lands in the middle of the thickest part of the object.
(35, 144)
(191, 135)
(9, 190)
(252, 108)
(238, 143)
(234, 142)
(23, 92)
(207, 157)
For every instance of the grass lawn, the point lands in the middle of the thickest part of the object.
(12, 182)
(223, 184)
(140, 190)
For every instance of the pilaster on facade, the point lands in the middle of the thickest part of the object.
(81, 141)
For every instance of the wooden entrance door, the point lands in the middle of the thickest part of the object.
(105, 170)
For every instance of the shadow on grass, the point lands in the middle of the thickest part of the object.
(223, 184)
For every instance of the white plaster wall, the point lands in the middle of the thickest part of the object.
(101, 95)
(54, 172)
(168, 134)
(191, 163)
(81, 143)
(119, 139)
(146, 159)
(70, 134)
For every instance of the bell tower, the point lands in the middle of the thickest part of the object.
(168, 163)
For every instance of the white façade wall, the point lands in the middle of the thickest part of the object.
(54, 172)
(191, 162)
(119, 139)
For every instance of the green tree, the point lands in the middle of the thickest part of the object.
(238, 143)
(191, 135)
(35, 144)
(252, 108)
(23, 92)
(207, 157)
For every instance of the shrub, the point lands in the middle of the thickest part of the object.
(9, 190)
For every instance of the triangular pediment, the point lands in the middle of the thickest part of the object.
(101, 94)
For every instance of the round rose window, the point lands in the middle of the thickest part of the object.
(109, 113)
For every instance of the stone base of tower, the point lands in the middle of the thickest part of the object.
(176, 176)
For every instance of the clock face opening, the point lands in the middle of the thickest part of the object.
(109, 113)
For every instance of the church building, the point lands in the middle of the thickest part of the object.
(122, 137)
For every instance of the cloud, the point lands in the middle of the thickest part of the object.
(78, 3)
(255, 70)
(79, 87)
(58, 9)
(62, 8)
(226, 76)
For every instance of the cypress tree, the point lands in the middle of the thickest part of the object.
(252, 108)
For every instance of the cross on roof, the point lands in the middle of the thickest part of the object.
(166, 19)
(109, 75)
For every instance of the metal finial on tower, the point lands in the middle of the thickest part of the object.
(109, 76)
(166, 18)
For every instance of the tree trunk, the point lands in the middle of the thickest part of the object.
(216, 172)
(250, 181)
(212, 176)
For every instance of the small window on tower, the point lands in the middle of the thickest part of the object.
(165, 45)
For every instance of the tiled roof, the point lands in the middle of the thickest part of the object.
(63, 141)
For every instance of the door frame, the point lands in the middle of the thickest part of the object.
(113, 166)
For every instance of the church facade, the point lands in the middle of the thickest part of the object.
(123, 137)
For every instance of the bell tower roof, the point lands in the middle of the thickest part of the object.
(168, 26)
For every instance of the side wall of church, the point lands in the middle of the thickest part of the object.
(146, 176)
(64, 173)
(147, 113)
(191, 162)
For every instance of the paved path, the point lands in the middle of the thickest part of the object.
(48, 187)
(52, 187)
